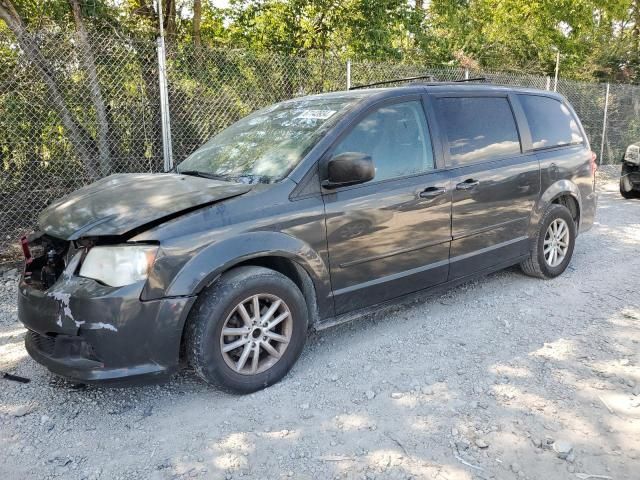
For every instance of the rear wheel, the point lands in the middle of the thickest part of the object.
(553, 247)
(247, 330)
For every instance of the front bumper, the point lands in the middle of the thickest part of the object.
(89, 332)
(632, 173)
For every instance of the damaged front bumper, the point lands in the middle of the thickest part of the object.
(89, 332)
(632, 172)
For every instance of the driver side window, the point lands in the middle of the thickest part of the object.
(397, 139)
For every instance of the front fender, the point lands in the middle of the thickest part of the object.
(210, 262)
(555, 190)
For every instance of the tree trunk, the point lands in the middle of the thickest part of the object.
(197, 20)
(635, 12)
(419, 5)
(144, 10)
(78, 136)
(88, 61)
(170, 19)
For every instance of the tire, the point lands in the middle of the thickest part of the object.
(219, 305)
(537, 265)
(626, 186)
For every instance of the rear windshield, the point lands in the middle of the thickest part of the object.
(266, 145)
(552, 124)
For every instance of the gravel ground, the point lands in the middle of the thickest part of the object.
(507, 377)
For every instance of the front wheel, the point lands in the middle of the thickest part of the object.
(247, 330)
(626, 186)
(553, 247)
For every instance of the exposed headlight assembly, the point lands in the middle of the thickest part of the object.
(119, 265)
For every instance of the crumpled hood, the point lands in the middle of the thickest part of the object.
(120, 203)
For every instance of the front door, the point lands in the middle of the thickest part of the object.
(494, 184)
(389, 236)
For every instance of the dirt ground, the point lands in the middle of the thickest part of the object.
(507, 377)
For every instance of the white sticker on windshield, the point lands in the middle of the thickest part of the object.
(316, 114)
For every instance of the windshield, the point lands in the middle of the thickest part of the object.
(265, 146)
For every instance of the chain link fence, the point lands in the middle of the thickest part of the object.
(56, 135)
(62, 126)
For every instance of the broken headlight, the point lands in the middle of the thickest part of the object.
(119, 265)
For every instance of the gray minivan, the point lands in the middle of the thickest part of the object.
(302, 215)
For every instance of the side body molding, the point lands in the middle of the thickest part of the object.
(209, 263)
(555, 190)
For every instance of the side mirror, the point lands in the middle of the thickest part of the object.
(632, 155)
(349, 168)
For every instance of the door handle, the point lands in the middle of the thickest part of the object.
(468, 184)
(433, 192)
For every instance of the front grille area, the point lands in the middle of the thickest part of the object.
(44, 343)
(62, 346)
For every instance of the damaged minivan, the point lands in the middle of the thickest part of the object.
(302, 215)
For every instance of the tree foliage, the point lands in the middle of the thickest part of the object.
(597, 39)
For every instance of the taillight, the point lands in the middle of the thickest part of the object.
(593, 164)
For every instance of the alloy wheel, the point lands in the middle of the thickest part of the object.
(256, 334)
(556, 242)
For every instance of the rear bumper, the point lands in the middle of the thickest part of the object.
(88, 332)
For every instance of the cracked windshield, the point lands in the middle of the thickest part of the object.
(265, 146)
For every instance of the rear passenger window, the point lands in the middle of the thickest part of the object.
(550, 121)
(397, 139)
(478, 128)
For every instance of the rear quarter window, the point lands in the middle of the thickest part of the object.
(551, 123)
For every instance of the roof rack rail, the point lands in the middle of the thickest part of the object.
(386, 82)
(474, 79)
(430, 78)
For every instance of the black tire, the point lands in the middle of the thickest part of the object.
(626, 186)
(217, 302)
(536, 265)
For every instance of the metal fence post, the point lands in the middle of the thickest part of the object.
(167, 150)
(466, 74)
(555, 81)
(348, 74)
(604, 124)
(548, 82)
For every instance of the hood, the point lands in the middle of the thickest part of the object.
(120, 203)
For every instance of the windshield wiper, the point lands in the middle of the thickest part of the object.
(198, 173)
